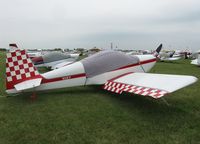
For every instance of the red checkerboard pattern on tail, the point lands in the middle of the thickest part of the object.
(19, 67)
(121, 87)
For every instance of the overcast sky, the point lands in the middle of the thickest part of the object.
(136, 24)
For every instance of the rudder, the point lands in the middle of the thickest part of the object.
(19, 68)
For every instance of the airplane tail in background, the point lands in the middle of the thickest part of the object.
(21, 74)
(172, 54)
(157, 51)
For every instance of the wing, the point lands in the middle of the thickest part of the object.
(146, 84)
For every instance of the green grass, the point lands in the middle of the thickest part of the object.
(91, 115)
(2, 73)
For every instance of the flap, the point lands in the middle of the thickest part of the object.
(28, 84)
(154, 85)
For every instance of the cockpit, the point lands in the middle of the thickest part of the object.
(106, 61)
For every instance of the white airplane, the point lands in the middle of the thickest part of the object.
(197, 60)
(133, 53)
(30, 54)
(169, 56)
(34, 54)
(116, 71)
(145, 52)
(62, 64)
(195, 54)
(72, 59)
(54, 60)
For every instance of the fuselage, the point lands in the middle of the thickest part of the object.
(93, 71)
(74, 74)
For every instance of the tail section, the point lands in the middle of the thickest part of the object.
(20, 72)
(172, 54)
(156, 53)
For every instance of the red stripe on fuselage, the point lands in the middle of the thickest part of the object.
(148, 61)
(63, 78)
(140, 63)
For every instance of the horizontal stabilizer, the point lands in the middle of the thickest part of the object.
(146, 84)
(28, 84)
(156, 53)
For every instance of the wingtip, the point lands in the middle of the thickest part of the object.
(195, 79)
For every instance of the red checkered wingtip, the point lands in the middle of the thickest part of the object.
(144, 91)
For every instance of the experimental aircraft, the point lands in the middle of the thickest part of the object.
(169, 56)
(145, 52)
(34, 54)
(197, 60)
(117, 72)
(54, 60)
(30, 54)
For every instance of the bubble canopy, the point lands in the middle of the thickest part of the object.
(106, 61)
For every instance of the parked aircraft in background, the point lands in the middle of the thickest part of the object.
(34, 54)
(195, 55)
(116, 71)
(31, 54)
(51, 60)
(145, 52)
(196, 61)
(134, 52)
(54, 60)
(169, 56)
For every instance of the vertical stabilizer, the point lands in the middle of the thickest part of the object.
(19, 68)
(157, 51)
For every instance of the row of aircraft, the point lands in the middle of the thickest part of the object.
(169, 56)
(114, 70)
(162, 56)
(52, 60)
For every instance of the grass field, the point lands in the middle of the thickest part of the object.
(92, 115)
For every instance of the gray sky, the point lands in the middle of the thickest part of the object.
(137, 24)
